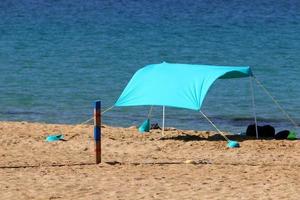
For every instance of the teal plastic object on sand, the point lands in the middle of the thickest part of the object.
(53, 138)
(233, 144)
(145, 127)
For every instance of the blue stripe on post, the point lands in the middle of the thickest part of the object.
(97, 133)
(97, 104)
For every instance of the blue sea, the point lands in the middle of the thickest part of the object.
(58, 56)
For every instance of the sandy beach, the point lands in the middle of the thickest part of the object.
(180, 165)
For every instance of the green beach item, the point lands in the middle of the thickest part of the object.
(145, 127)
(233, 144)
(54, 138)
(292, 135)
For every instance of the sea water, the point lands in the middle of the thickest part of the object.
(58, 56)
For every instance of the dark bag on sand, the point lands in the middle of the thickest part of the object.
(282, 135)
(266, 131)
(252, 132)
(155, 126)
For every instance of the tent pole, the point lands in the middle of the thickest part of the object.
(253, 106)
(163, 122)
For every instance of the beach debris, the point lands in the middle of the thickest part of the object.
(132, 127)
(85, 148)
(54, 138)
(113, 162)
(145, 127)
(190, 162)
(233, 144)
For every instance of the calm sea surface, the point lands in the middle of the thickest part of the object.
(58, 56)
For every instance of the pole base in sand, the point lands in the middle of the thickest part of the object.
(233, 144)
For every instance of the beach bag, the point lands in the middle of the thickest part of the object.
(266, 131)
(282, 135)
(155, 126)
(251, 130)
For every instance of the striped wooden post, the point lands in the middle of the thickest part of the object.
(97, 130)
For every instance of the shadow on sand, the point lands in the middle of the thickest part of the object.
(215, 137)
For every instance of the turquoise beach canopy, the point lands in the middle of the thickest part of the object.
(176, 85)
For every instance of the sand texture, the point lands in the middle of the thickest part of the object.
(180, 165)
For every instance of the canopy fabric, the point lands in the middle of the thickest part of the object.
(176, 85)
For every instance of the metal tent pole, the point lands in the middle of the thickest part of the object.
(253, 106)
(163, 122)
